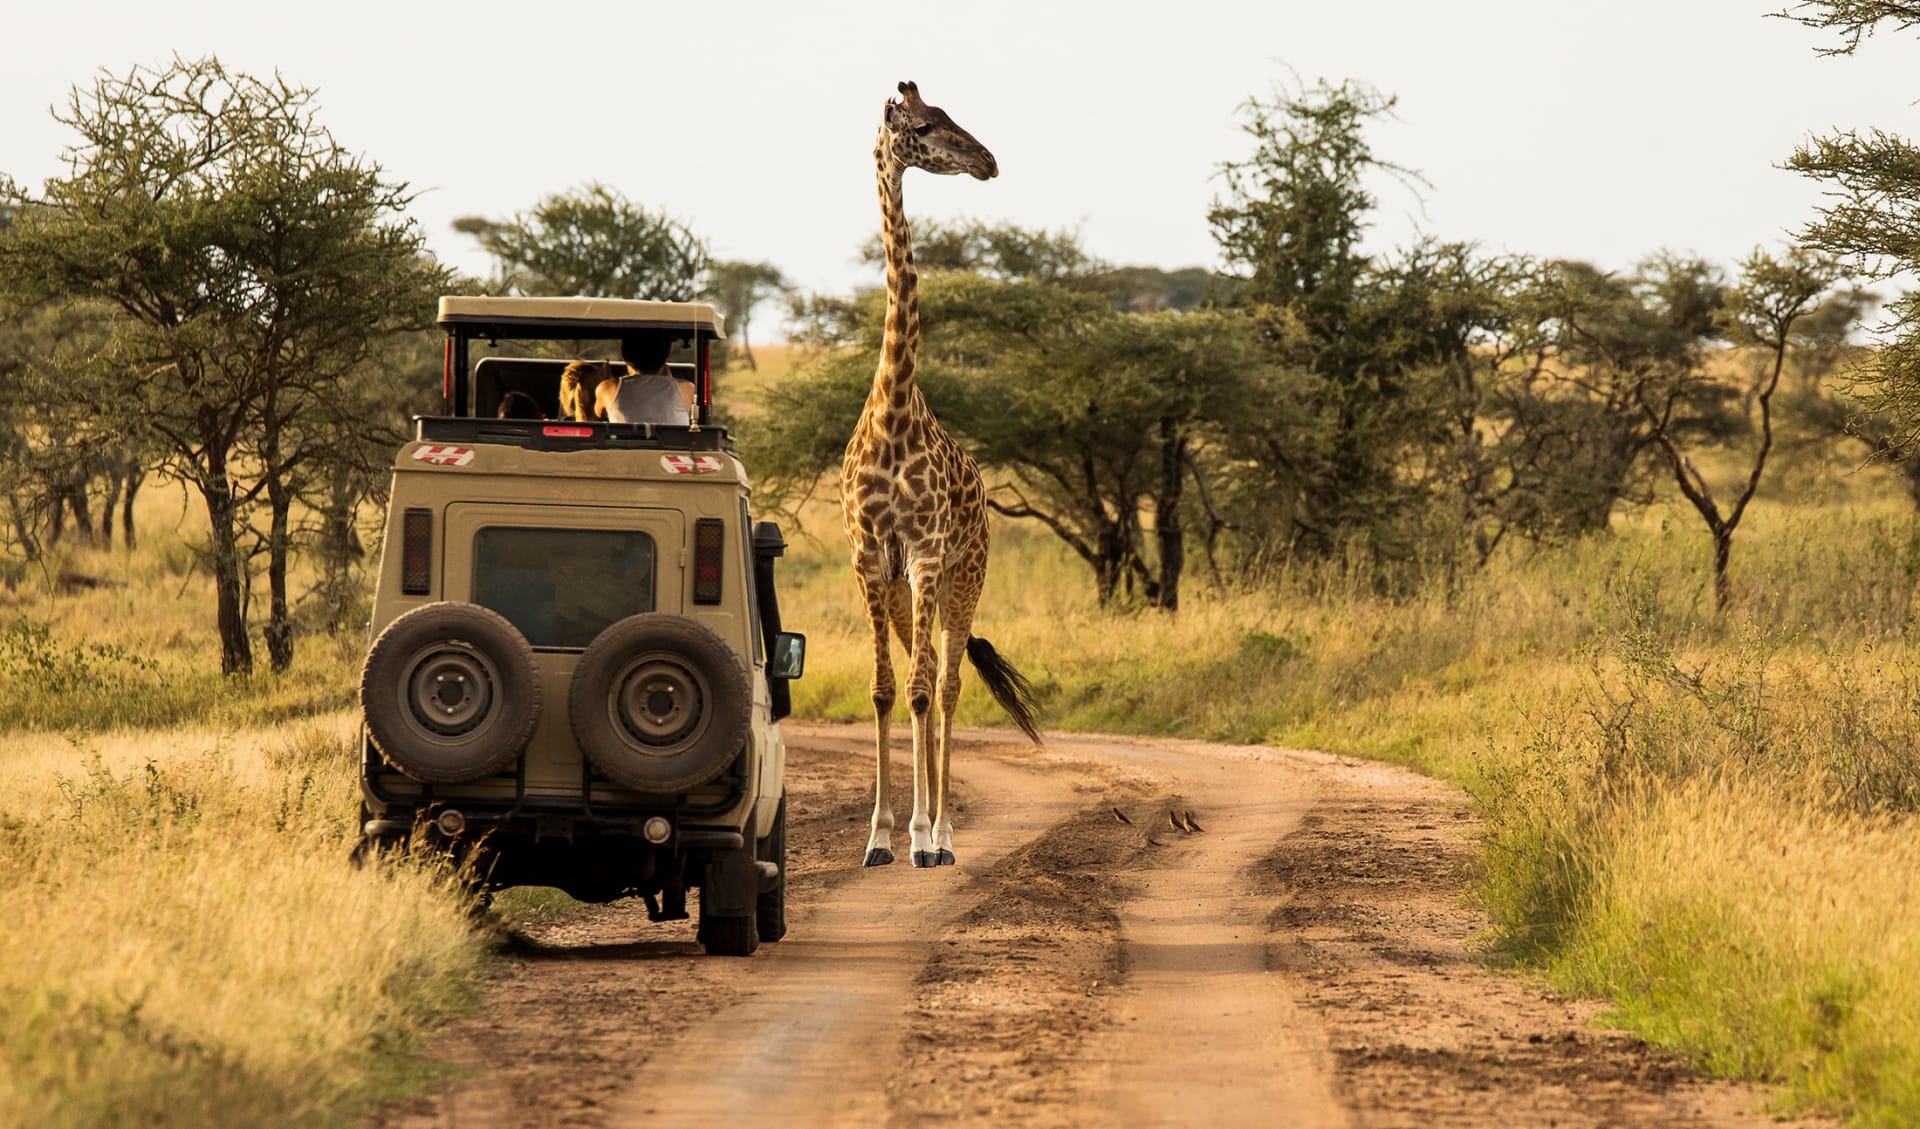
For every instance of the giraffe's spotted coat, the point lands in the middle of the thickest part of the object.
(911, 499)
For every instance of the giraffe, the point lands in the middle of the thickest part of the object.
(915, 510)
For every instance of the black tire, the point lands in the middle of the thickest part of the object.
(659, 703)
(770, 911)
(729, 936)
(449, 693)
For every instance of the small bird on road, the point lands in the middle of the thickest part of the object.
(1192, 824)
(1120, 815)
(1173, 821)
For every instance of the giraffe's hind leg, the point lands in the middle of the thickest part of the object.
(880, 597)
(964, 580)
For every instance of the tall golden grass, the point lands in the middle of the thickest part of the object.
(186, 941)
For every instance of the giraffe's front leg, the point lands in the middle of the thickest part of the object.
(880, 839)
(926, 584)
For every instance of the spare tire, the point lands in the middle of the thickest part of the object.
(660, 703)
(449, 693)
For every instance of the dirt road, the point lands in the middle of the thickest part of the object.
(1303, 960)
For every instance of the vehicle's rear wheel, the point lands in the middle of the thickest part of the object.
(659, 703)
(770, 911)
(729, 927)
(729, 936)
(449, 693)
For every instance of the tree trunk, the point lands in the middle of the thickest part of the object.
(229, 575)
(136, 476)
(1166, 515)
(279, 632)
(107, 506)
(1112, 561)
(1722, 586)
(23, 528)
(746, 347)
(76, 497)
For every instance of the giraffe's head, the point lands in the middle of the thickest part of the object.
(924, 137)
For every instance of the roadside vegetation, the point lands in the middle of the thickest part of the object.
(1631, 556)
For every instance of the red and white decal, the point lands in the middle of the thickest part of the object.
(690, 464)
(444, 456)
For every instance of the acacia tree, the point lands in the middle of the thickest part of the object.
(1762, 310)
(1393, 353)
(1871, 221)
(739, 287)
(1099, 421)
(253, 264)
(593, 242)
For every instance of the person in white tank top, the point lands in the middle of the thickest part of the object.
(648, 393)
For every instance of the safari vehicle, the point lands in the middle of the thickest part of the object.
(577, 670)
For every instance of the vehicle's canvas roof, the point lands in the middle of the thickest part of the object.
(570, 314)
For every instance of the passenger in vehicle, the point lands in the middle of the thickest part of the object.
(519, 405)
(579, 390)
(648, 393)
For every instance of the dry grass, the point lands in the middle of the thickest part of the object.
(186, 941)
(1767, 936)
(188, 945)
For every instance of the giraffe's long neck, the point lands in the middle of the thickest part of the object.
(893, 390)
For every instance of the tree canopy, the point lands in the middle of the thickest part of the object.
(254, 268)
(1871, 218)
(594, 242)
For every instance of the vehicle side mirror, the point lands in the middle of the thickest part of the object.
(789, 658)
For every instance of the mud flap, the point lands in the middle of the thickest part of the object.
(732, 887)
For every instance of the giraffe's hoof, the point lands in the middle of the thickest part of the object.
(944, 858)
(879, 856)
(923, 858)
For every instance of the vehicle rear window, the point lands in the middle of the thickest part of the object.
(562, 587)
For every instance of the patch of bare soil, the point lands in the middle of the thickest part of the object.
(1009, 996)
(581, 1003)
(1373, 922)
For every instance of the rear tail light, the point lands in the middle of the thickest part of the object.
(416, 552)
(565, 432)
(709, 548)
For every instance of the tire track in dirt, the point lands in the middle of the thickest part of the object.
(1018, 983)
(1305, 960)
(817, 1036)
(1201, 1030)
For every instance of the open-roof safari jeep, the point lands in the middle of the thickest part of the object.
(577, 670)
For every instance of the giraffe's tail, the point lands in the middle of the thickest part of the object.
(1008, 686)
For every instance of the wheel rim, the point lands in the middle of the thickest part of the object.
(449, 689)
(659, 703)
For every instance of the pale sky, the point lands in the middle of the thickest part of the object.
(1601, 131)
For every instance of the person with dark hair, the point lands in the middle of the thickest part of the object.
(648, 393)
(519, 405)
